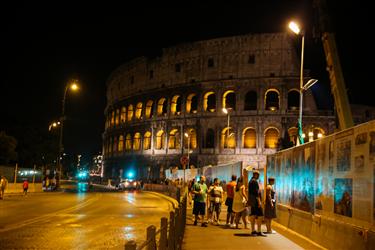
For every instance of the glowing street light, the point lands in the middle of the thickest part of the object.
(188, 161)
(293, 26)
(73, 85)
(227, 112)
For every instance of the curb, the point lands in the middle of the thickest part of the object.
(171, 200)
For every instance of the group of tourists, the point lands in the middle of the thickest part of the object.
(241, 203)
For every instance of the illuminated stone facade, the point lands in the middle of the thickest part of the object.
(152, 103)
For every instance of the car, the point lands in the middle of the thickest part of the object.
(128, 184)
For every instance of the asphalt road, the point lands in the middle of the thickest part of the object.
(78, 220)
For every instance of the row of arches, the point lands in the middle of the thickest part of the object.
(228, 100)
(175, 140)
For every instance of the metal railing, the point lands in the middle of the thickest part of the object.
(171, 233)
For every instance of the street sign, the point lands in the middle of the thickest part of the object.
(184, 160)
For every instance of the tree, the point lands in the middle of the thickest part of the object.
(8, 146)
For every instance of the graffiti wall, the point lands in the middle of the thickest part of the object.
(333, 176)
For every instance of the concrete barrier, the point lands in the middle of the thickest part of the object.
(17, 188)
(326, 231)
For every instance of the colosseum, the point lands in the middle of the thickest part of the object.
(222, 100)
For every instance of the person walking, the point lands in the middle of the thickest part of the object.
(229, 201)
(3, 186)
(25, 186)
(270, 207)
(215, 197)
(200, 197)
(255, 201)
(239, 203)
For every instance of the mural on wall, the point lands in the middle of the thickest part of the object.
(334, 176)
(343, 196)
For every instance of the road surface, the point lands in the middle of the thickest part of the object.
(78, 220)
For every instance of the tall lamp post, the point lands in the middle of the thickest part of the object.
(293, 26)
(74, 87)
(188, 156)
(226, 111)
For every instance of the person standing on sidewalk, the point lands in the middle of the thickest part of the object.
(270, 207)
(200, 198)
(239, 203)
(229, 201)
(25, 186)
(255, 201)
(3, 186)
(215, 198)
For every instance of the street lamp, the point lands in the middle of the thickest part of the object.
(188, 164)
(74, 87)
(296, 29)
(226, 111)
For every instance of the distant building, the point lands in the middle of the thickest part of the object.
(97, 168)
(152, 103)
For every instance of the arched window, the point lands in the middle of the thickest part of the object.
(210, 138)
(130, 112)
(293, 99)
(123, 115)
(113, 118)
(192, 104)
(209, 102)
(229, 100)
(271, 137)
(147, 141)
(272, 100)
(149, 109)
(117, 118)
(249, 139)
(293, 135)
(137, 141)
(121, 143)
(138, 112)
(176, 105)
(160, 138)
(228, 138)
(128, 142)
(318, 133)
(174, 139)
(162, 107)
(251, 100)
(192, 139)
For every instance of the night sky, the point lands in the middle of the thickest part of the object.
(48, 44)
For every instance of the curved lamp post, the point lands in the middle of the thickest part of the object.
(293, 26)
(73, 85)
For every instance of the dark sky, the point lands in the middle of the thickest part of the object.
(48, 44)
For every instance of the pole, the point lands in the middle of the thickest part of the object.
(300, 131)
(15, 174)
(61, 147)
(34, 174)
(227, 140)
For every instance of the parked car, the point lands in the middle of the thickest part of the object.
(128, 185)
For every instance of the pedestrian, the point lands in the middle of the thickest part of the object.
(239, 203)
(25, 186)
(270, 207)
(229, 201)
(215, 198)
(200, 197)
(3, 186)
(256, 204)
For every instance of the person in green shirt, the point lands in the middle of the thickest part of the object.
(200, 197)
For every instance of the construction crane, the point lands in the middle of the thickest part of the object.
(323, 30)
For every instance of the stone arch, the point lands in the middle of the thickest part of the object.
(123, 115)
(249, 138)
(192, 103)
(293, 99)
(162, 107)
(271, 137)
(137, 141)
(174, 139)
(160, 139)
(128, 142)
(229, 99)
(147, 141)
(210, 138)
(251, 100)
(117, 118)
(209, 101)
(120, 147)
(192, 139)
(138, 111)
(176, 105)
(149, 109)
(130, 112)
(272, 100)
(293, 134)
(228, 138)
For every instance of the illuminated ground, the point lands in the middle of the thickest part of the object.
(78, 220)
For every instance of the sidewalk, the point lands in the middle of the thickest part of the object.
(222, 237)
